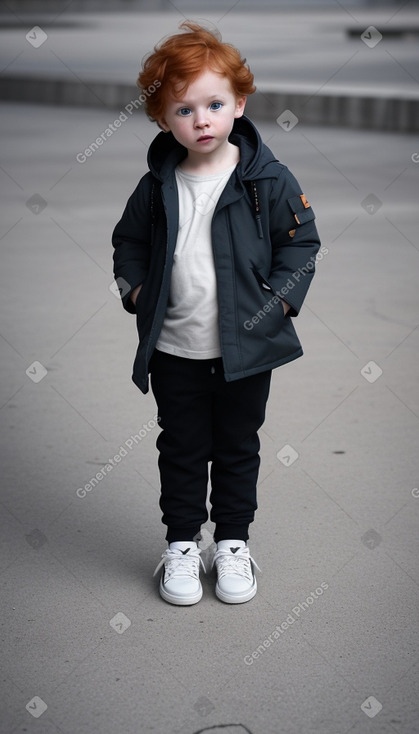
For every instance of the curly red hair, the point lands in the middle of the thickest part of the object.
(179, 59)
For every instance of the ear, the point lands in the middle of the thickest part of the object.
(163, 125)
(240, 105)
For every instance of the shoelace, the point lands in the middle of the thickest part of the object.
(239, 563)
(178, 564)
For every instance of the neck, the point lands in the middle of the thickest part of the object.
(219, 160)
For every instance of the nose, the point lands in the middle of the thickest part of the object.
(201, 119)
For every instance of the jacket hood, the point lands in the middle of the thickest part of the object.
(165, 153)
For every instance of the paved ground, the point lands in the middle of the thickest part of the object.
(295, 48)
(336, 65)
(331, 636)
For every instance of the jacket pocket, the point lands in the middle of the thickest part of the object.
(269, 313)
(139, 310)
(137, 300)
(264, 284)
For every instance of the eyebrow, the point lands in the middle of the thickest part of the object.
(186, 103)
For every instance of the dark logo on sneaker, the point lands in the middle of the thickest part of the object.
(234, 550)
(185, 551)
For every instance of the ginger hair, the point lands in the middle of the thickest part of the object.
(179, 59)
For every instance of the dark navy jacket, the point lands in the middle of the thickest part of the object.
(264, 242)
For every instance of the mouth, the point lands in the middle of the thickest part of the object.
(205, 138)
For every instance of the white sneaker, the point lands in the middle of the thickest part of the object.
(179, 583)
(236, 581)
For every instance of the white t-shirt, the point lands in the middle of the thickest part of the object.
(190, 327)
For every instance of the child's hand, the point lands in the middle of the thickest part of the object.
(135, 293)
(286, 306)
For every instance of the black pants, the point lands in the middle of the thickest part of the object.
(206, 419)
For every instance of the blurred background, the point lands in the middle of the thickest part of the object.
(337, 101)
(309, 57)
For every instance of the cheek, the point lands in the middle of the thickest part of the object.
(181, 123)
(181, 128)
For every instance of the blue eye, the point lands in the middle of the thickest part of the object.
(184, 111)
(216, 106)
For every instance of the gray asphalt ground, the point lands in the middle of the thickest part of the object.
(77, 570)
(295, 48)
(329, 644)
(337, 64)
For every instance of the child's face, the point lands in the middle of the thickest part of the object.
(203, 118)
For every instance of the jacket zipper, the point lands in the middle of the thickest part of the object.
(257, 209)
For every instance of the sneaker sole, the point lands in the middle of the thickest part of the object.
(182, 601)
(236, 598)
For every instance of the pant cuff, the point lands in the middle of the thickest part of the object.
(174, 534)
(231, 532)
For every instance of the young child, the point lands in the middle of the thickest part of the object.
(214, 253)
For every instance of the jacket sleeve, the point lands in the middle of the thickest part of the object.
(131, 239)
(295, 241)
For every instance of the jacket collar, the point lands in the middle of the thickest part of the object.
(165, 153)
